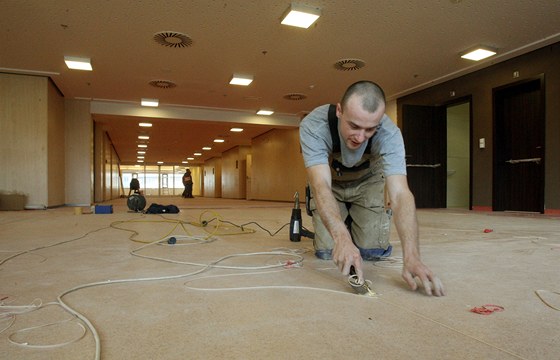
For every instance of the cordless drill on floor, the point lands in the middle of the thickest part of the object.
(296, 229)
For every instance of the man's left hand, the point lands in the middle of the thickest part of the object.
(431, 283)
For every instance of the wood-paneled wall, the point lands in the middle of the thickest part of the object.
(212, 175)
(79, 153)
(56, 148)
(31, 132)
(234, 172)
(277, 170)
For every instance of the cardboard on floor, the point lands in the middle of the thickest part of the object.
(221, 291)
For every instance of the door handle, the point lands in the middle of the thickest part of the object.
(519, 161)
(424, 165)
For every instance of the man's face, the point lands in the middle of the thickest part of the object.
(356, 124)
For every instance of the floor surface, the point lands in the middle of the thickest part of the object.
(228, 292)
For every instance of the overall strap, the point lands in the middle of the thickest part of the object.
(333, 126)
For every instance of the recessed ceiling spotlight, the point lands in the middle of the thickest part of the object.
(150, 102)
(478, 53)
(235, 129)
(206, 148)
(172, 39)
(190, 158)
(145, 124)
(242, 80)
(142, 145)
(219, 140)
(77, 63)
(143, 137)
(265, 112)
(140, 157)
(140, 152)
(300, 16)
(197, 154)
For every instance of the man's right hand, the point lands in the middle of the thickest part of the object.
(345, 255)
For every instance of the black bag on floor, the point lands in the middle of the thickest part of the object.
(162, 209)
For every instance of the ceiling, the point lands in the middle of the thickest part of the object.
(405, 46)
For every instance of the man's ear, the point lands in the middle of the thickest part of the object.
(338, 110)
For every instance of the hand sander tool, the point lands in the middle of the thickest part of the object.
(361, 288)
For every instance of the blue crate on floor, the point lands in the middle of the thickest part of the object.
(103, 209)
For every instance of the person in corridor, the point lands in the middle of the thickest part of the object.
(188, 183)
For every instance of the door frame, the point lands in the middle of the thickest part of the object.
(459, 101)
(542, 94)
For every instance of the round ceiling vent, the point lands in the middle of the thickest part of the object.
(162, 84)
(295, 96)
(172, 39)
(349, 64)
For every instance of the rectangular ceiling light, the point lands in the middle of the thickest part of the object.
(479, 53)
(301, 16)
(236, 129)
(145, 124)
(77, 63)
(150, 102)
(265, 112)
(243, 80)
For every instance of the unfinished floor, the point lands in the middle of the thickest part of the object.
(194, 300)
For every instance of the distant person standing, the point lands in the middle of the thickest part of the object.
(134, 186)
(188, 183)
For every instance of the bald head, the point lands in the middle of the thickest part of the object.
(371, 95)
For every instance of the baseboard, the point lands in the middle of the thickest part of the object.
(482, 208)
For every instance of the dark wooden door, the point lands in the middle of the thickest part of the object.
(519, 147)
(425, 139)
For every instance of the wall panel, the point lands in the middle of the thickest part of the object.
(213, 178)
(234, 172)
(56, 146)
(79, 153)
(23, 137)
(277, 166)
